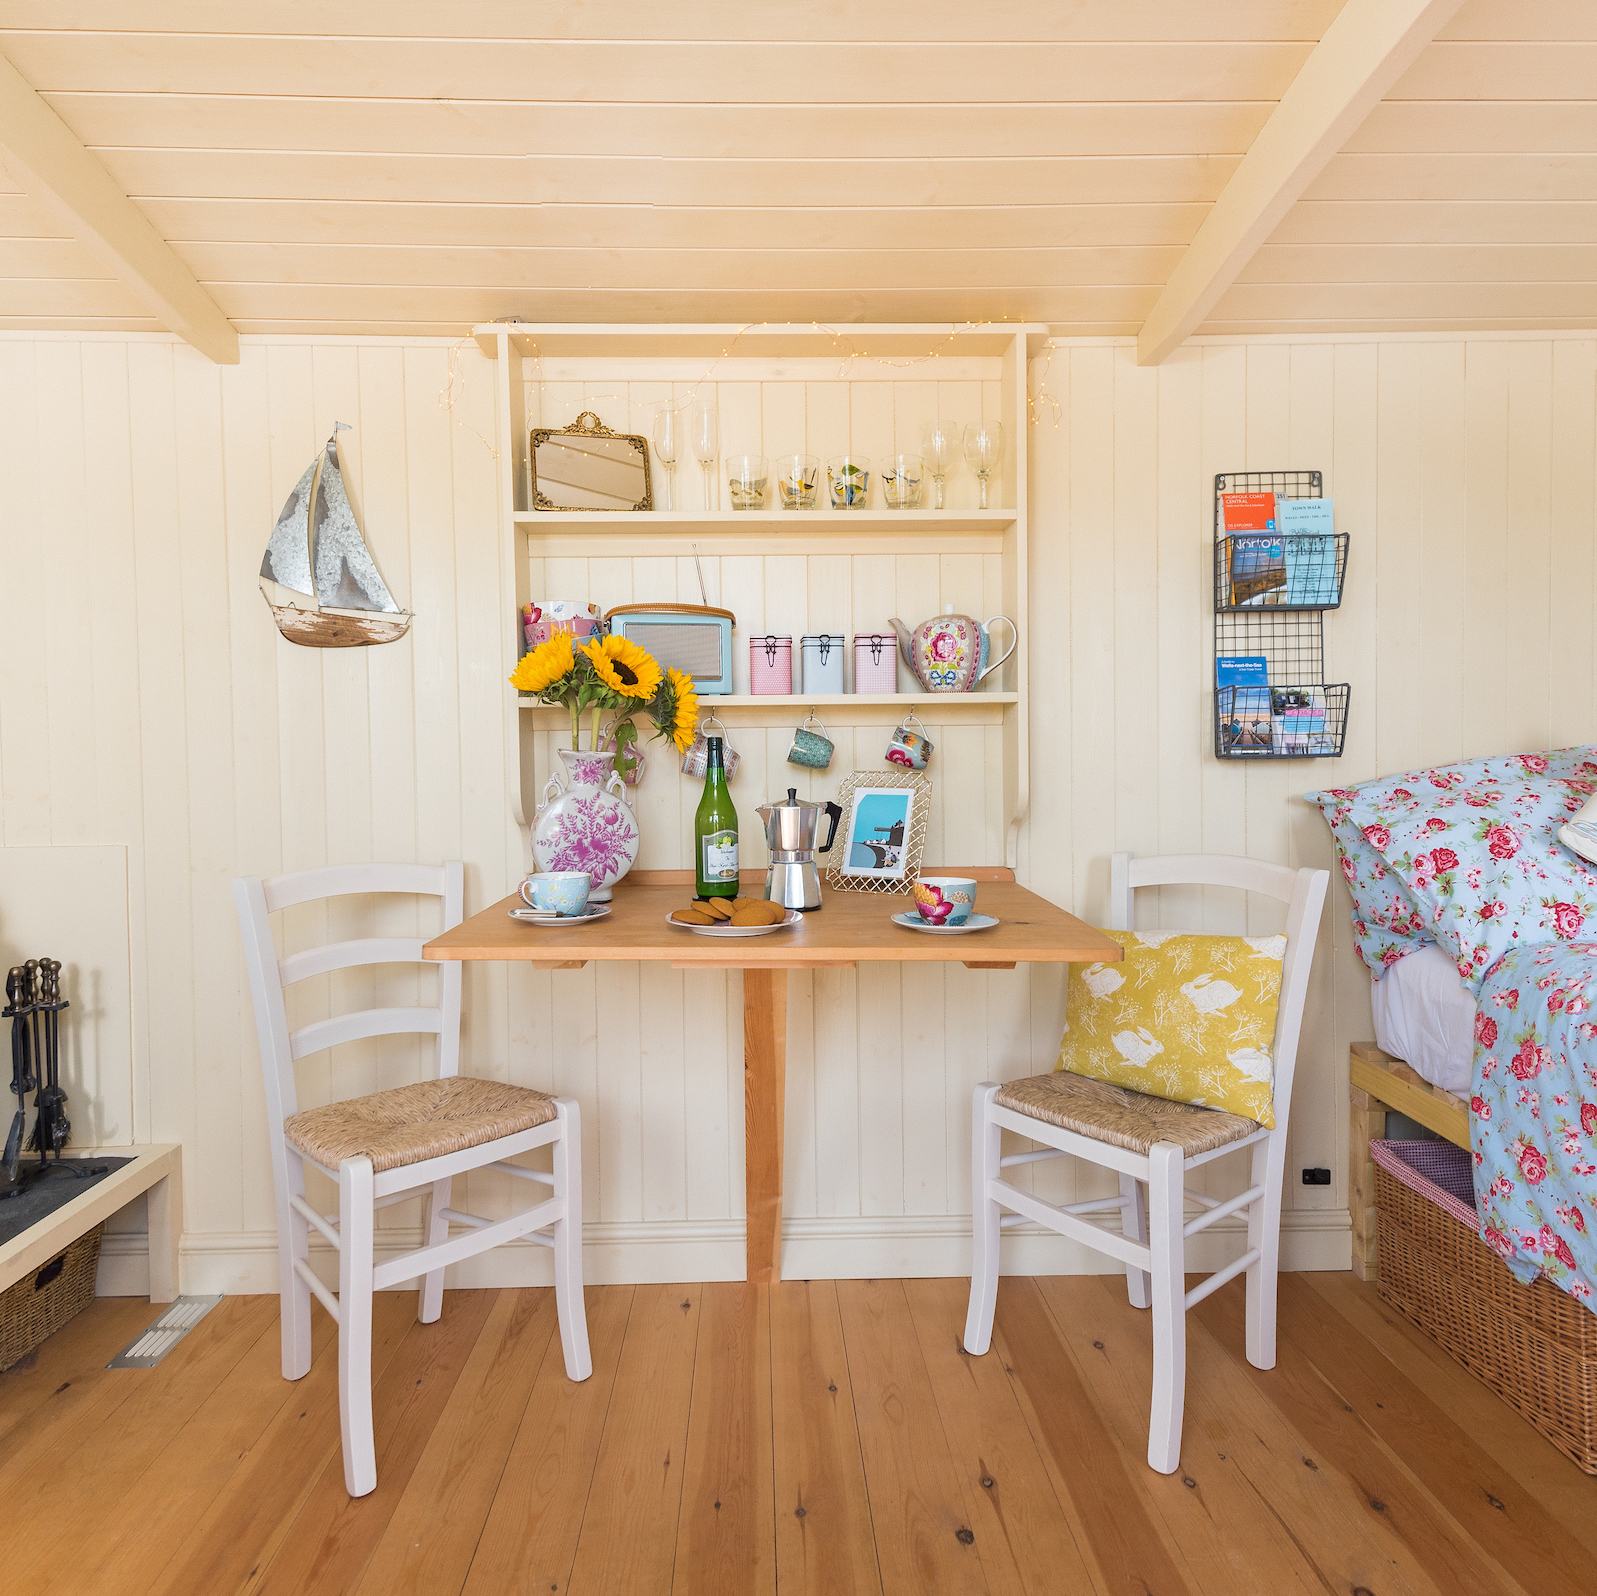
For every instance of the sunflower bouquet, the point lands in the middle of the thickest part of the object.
(610, 675)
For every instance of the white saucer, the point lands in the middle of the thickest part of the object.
(793, 918)
(594, 911)
(913, 922)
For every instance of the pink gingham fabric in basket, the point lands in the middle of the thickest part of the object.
(1436, 1170)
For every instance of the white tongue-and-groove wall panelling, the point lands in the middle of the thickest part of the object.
(150, 704)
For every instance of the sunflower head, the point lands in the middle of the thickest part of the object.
(683, 708)
(546, 666)
(623, 667)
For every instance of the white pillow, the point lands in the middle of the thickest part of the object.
(1580, 834)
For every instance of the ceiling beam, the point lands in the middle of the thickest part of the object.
(43, 156)
(1364, 52)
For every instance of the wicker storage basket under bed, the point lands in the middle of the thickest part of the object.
(45, 1298)
(1534, 1345)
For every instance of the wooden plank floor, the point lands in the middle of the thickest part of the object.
(806, 1437)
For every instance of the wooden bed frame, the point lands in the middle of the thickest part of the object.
(1380, 1082)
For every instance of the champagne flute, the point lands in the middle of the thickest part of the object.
(706, 435)
(939, 440)
(984, 448)
(668, 445)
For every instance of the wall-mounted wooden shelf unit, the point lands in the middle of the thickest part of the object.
(860, 389)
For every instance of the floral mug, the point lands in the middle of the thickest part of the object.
(912, 749)
(696, 760)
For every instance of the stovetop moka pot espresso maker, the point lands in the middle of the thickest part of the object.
(792, 878)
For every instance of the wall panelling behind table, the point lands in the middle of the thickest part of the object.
(149, 703)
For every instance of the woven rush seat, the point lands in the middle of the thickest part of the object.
(1123, 1118)
(412, 1123)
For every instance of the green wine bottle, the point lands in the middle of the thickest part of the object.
(715, 831)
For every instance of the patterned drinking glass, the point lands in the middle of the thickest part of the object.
(746, 476)
(796, 476)
(901, 479)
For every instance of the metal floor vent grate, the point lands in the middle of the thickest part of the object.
(147, 1348)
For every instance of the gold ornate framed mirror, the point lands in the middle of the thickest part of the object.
(586, 466)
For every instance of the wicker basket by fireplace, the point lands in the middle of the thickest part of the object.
(45, 1298)
(1534, 1345)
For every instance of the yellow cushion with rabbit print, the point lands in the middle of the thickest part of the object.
(1185, 1017)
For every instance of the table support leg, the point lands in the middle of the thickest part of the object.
(764, 1092)
(164, 1205)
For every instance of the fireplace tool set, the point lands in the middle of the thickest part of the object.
(33, 1005)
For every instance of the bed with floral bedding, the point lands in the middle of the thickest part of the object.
(1533, 1114)
(1468, 857)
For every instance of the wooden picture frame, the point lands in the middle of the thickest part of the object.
(883, 831)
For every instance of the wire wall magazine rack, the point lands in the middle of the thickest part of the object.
(1271, 592)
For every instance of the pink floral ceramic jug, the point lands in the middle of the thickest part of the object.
(587, 823)
(949, 653)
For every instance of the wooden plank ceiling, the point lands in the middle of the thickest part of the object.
(412, 167)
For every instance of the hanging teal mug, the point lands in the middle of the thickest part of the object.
(811, 749)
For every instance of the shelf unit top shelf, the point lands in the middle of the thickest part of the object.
(758, 339)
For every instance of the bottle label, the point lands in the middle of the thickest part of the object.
(721, 856)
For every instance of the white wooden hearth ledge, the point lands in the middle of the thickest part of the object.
(156, 1169)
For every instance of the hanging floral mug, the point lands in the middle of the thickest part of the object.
(696, 760)
(911, 749)
(586, 823)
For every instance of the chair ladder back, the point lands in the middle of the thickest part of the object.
(333, 881)
(257, 900)
(271, 1015)
(449, 973)
(1302, 932)
(363, 1023)
(1208, 870)
(349, 955)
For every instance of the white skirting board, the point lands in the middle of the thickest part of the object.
(245, 1262)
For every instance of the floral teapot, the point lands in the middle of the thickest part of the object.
(949, 653)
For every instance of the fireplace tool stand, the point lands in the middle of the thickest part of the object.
(33, 1005)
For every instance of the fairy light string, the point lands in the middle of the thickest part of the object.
(454, 390)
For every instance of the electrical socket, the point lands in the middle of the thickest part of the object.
(1316, 1177)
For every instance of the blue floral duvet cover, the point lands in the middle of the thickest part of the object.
(1533, 1119)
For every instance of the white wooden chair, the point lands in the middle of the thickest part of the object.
(1151, 1143)
(388, 1146)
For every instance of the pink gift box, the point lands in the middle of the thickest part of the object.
(875, 662)
(771, 665)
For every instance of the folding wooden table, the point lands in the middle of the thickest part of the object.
(849, 928)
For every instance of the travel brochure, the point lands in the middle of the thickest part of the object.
(1256, 718)
(1280, 553)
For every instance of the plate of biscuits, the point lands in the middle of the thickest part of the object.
(733, 917)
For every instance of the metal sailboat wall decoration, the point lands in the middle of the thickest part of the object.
(317, 550)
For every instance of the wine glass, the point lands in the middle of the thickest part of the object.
(706, 437)
(668, 445)
(939, 440)
(984, 448)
